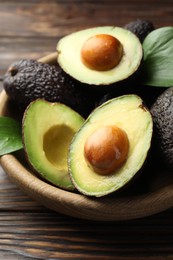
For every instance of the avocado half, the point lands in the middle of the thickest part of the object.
(69, 56)
(48, 129)
(129, 113)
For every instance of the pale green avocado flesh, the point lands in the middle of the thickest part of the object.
(69, 56)
(128, 113)
(48, 129)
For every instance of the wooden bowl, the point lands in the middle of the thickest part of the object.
(151, 193)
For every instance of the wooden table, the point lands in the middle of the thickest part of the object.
(31, 29)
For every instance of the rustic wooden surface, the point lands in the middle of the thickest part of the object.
(31, 29)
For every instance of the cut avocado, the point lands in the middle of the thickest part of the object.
(127, 113)
(47, 132)
(69, 55)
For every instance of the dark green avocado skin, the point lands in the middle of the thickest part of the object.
(27, 80)
(141, 28)
(162, 113)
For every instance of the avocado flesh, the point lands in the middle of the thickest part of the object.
(69, 56)
(48, 129)
(128, 113)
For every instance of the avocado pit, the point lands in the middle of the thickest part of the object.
(106, 149)
(101, 52)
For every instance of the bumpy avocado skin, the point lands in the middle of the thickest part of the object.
(162, 113)
(27, 80)
(141, 28)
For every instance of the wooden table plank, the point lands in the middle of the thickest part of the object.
(48, 236)
(53, 236)
(16, 48)
(12, 199)
(32, 30)
(55, 18)
(42, 18)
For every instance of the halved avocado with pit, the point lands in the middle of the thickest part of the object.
(100, 55)
(48, 129)
(111, 146)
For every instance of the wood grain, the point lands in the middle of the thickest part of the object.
(47, 235)
(32, 30)
(56, 18)
(12, 199)
(24, 48)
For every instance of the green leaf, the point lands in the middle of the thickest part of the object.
(10, 135)
(157, 68)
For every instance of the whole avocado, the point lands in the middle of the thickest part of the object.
(141, 28)
(162, 113)
(27, 80)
